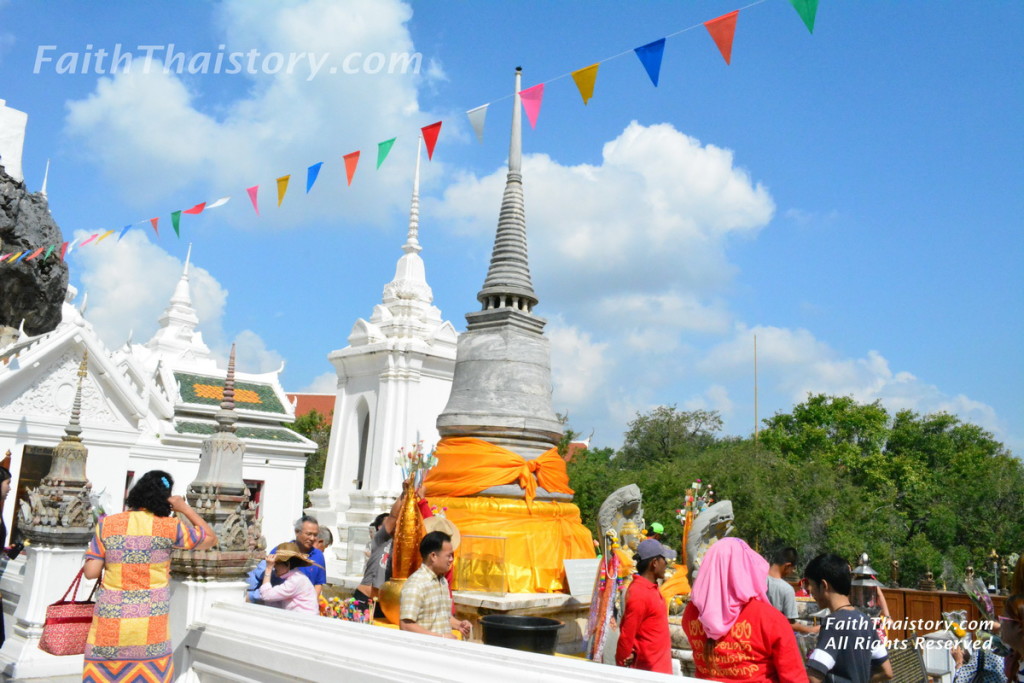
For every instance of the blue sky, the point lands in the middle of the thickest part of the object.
(853, 197)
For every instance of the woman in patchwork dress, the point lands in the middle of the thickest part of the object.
(129, 636)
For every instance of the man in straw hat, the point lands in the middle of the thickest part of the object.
(426, 604)
(295, 592)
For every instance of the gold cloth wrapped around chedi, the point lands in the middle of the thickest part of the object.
(538, 538)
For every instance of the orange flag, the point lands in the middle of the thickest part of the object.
(351, 161)
(722, 30)
(585, 79)
(282, 187)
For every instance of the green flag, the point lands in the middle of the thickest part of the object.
(49, 250)
(176, 222)
(382, 150)
(807, 9)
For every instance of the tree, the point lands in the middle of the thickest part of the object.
(665, 433)
(315, 427)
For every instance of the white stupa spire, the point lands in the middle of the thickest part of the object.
(412, 242)
(46, 176)
(177, 335)
(410, 282)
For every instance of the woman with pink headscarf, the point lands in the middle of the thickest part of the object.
(734, 632)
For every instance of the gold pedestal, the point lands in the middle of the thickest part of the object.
(390, 599)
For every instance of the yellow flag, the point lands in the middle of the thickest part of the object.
(105, 235)
(585, 79)
(282, 187)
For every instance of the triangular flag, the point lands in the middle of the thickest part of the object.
(21, 255)
(220, 202)
(104, 236)
(123, 231)
(430, 134)
(311, 173)
(176, 223)
(35, 253)
(383, 149)
(49, 251)
(89, 240)
(253, 192)
(532, 98)
(650, 56)
(476, 119)
(196, 210)
(63, 250)
(351, 161)
(722, 30)
(282, 187)
(153, 222)
(807, 9)
(585, 79)
(4, 257)
(71, 245)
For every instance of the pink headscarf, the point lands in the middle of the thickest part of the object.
(730, 576)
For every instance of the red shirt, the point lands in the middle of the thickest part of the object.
(644, 628)
(760, 646)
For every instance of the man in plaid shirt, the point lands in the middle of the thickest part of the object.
(426, 605)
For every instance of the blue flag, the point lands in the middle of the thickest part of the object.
(311, 173)
(123, 231)
(650, 56)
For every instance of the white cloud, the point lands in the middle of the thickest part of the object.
(130, 283)
(579, 365)
(327, 383)
(153, 133)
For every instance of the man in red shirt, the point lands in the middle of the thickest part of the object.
(644, 642)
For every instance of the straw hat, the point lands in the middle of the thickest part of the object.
(438, 523)
(287, 551)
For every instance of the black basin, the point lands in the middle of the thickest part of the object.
(532, 634)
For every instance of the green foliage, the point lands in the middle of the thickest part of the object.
(314, 426)
(833, 475)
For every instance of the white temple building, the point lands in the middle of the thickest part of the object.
(394, 379)
(12, 139)
(145, 406)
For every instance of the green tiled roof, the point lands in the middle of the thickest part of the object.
(243, 432)
(208, 390)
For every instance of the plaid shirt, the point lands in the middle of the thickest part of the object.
(425, 600)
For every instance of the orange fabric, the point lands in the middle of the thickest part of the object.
(677, 584)
(537, 540)
(466, 466)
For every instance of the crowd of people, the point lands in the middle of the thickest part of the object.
(741, 619)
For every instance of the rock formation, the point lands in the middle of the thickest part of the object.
(34, 290)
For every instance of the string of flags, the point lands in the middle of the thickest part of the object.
(721, 29)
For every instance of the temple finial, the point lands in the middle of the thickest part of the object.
(226, 415)
(188, 257)
(46, 176)
(412, 242)
(515, 146)
(74, 427)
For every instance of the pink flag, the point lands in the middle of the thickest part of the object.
(89, 240)
(253, 191)
(531, 102)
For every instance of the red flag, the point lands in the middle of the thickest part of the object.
(722, 30)
(154, 221)
(63, 250)
(430, 134)
(351, 161)
(197, 209)
(35, 253)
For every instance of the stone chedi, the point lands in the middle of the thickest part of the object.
(59, 512)
(220, 496)
(499, 474)
(502, 387)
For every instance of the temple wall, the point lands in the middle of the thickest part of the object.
(12, 140)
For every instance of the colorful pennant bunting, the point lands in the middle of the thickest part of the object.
(253, 191)
(650, 56)
(383, 149)
(89, 240)
(220, 202)
(430, 134)
(49, 251)
(104, 236)
(532, 98)
(351, 161)
(176, 223)
(196, 210)
(722, 31)
(476, 119)
(311, 173)
(282, 187)
(808, 10)
(123, 231)
(585, 79)
(35, 253)
(154, 221)
(63, 250)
